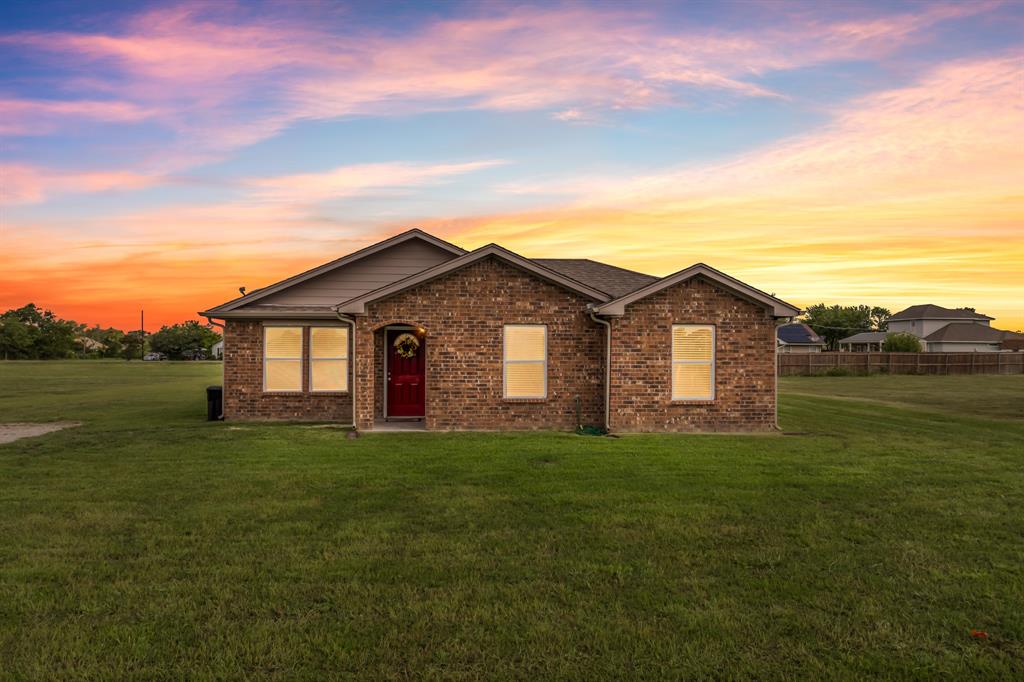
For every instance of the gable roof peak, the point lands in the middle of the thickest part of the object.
(778, 307)
(357, 305)
(401, 237)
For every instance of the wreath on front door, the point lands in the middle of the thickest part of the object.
(407, 345)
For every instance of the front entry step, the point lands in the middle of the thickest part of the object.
(405, 425)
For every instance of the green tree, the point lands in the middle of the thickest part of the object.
(110, 338)
(132, 344)
(901, 343)
(878, 319)
(183, 340)
(16, 338)
(836, 321)
(51, 336)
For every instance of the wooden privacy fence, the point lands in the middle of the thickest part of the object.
(809, 364)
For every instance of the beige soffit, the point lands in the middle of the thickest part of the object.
(357, 305)
(249, 298)
(779, 307)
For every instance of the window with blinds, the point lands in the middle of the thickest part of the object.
(693, 362)
(282, 358)
(328, 359)
(526, 361)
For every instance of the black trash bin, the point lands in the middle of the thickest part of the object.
(214, 403)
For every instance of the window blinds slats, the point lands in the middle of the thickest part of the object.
(524, 380)
(525, 361)
(692, 381)
(691, 343)
(693, 362)
(283, 342)
(284, 375)
(328, 342)
(524, 343)
(329, 375)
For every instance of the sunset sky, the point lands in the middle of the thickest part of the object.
(160, 155)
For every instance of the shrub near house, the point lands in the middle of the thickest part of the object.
(899, 342)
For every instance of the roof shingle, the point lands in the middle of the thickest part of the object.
(930, 311)
(607, 278)
(969, 332)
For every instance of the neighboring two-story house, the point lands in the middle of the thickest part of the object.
(955, 330)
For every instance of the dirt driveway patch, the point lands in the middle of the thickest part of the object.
(12, 432)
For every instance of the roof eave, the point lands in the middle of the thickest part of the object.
(327, 314)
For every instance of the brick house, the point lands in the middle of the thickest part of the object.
(419, 332)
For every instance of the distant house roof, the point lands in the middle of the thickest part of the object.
(969, 332)
(798, 334)
(89, 343)
(929, 311)
(607, 278)
(865, 337)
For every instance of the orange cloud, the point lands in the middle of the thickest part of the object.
(907, 196)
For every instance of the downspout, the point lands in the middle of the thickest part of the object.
(222, 331)
(775, 342)
(352, 364)
(607, 370)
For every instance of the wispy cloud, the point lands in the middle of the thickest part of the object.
(350, 181)
(26, 184)
(909, 190)
(222, 78)
(904, 195)
(39, 117)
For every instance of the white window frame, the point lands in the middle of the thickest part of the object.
(266, 360)
(711, 363)
(347, 359)
(505, 362)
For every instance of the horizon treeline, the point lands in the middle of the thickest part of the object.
(32, 333)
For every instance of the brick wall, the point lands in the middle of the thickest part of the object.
(463, 314)
(642, 362)
(243, 383)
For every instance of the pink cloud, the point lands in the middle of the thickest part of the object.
(37, 117)
(199, 72)
(26, 184)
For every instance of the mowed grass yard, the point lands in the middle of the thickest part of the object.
(149, 544)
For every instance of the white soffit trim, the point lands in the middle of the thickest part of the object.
(778, 307)
(357, 305)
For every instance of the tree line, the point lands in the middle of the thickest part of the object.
(31, 333)
(835, 322)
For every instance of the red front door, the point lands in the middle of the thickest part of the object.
(406, 395)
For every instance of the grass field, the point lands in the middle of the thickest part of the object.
(150, 544)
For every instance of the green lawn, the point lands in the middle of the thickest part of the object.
(149, 544)
(981, 395)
